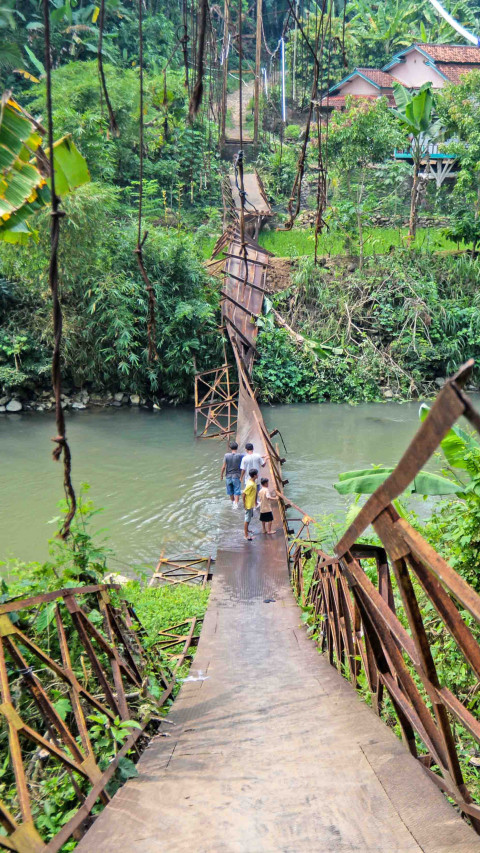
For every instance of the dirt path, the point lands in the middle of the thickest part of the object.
(233, 107)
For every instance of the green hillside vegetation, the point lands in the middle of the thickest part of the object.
(366, 215)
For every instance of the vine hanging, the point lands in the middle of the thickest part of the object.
(62, 449)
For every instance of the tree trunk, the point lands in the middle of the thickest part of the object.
(223, 123)
(412, 225)
(360, 220)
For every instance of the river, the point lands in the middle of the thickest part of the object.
(160, 487)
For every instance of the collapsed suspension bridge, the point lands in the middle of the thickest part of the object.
(268, 747)
(271, 749)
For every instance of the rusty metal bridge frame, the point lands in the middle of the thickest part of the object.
(362, 632)
(373, 633)
(102, 669)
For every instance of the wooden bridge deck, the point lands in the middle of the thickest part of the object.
(256, 202)
(273, 751)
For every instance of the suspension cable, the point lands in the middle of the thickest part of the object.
(455, 24)
(62, 447)
(317, 50)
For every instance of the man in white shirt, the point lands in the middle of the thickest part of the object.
(250, 461)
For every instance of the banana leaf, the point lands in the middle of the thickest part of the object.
(24, 189)
(457, 443)
(349, 475)
(71, 169)
(366, 482)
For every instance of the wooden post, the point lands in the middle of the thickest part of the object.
(258, 56)
(226, 20)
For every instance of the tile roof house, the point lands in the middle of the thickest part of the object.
(438, 64)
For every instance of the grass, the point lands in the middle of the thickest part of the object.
(206, 246)
(378, 241)
(161, 607)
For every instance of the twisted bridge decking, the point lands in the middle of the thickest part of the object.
(269, 749)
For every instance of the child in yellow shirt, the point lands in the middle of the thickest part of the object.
(249, 496)
(265, 497)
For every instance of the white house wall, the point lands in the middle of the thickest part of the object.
(359, 86)
(413, 72)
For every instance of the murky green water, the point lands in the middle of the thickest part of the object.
(161, 488)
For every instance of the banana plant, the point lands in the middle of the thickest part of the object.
(415, 114)
(10, 53)
(24, 179)
(391, 23)
(460, 448)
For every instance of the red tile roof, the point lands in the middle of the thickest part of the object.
(381, 78)
(461, 53)
(456, 71)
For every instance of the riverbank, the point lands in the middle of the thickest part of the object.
(393, 328)
(44, 401)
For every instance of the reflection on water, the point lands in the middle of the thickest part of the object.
(161, 489)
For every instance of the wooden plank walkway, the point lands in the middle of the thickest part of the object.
(269, 750)
(255, 201)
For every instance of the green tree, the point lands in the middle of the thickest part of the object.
(364, 135)
(178, 155)
(105, 304)
(377, 29)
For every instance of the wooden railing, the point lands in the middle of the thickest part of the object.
(95, 656)
(375, 632)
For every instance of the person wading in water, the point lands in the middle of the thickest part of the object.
(265, 497)
(249, 495)
(251, 461)
(232, 473)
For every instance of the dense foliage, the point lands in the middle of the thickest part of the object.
(390, 329)
(103, 294)
(105, 305)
